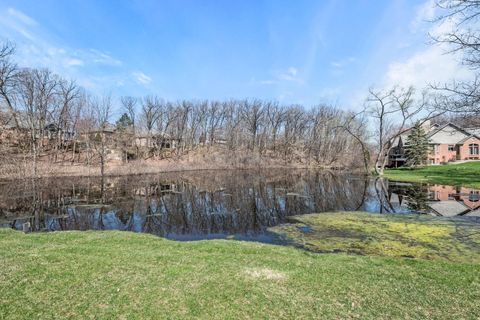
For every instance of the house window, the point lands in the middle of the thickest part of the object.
(451, 147)
(473, 149)
(474, 196)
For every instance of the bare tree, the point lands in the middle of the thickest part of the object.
(86, 126)
(296, 122)
(150, 114)
(76, 117)
(36, 91)
(394, 111)
(233, 122)
(464, 38)
(129, 104)
(356, 125)
(68, 92)
(276, 116)
(102, 109)
(253, 115)
(8, 78)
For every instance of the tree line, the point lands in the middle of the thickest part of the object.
(43, 104)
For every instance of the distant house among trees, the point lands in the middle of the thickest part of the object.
(160, 141)
(447, 143)
(53, 131)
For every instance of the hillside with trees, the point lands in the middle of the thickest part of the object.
(50, 123)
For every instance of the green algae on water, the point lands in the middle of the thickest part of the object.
(362, 233)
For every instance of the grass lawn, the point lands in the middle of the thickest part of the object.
(122, 275)
(465, 174)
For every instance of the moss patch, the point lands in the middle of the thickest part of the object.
(385, 235)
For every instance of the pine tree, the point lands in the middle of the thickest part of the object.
(417, 147)
(124, 122)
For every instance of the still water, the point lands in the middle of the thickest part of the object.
(216, 204)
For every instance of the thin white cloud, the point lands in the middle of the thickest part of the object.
(103, 58)
(290, 74)
(338, 67)
(16, 21)
(267, 82)
(430, 63)
(34, 48)
(74, 62)
(342, 63)
(21, 17)
(284, 96)
(141, 77)
(426, 67)
(425, 13)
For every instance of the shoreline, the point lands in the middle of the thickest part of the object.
(138, 169)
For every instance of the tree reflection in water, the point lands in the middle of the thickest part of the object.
(198, 205)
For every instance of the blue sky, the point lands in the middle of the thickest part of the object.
(304, 52)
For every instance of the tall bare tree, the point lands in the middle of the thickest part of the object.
(63, 119)
(37, 90)
(464, 38)
(356, 125)
(8, 79)
(276, 116)
(394, 111)
(129, 105)
(151, 112)
(102, 110)
(253, 114)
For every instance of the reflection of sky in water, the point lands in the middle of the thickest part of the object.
(204, 205)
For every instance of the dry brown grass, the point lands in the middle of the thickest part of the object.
(265, 274)
(199, 159)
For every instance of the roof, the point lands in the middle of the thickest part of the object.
(449, 133)
(474, 131)
(22, 122)
(448, 208)
(473, 213)
(404, 135)
(108, 127)
(154, 136)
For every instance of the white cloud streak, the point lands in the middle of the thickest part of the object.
(431, 63)
(20, 16)
(141, 77)
(289, 75)
(95, 69)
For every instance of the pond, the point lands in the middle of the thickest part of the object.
(216, 204)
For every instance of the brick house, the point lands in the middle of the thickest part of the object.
(448, 143)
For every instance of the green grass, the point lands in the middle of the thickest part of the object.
(465, 174)
(363, 233)
(122, 275)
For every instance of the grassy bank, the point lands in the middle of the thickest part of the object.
(465, 174)
(124, 275)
